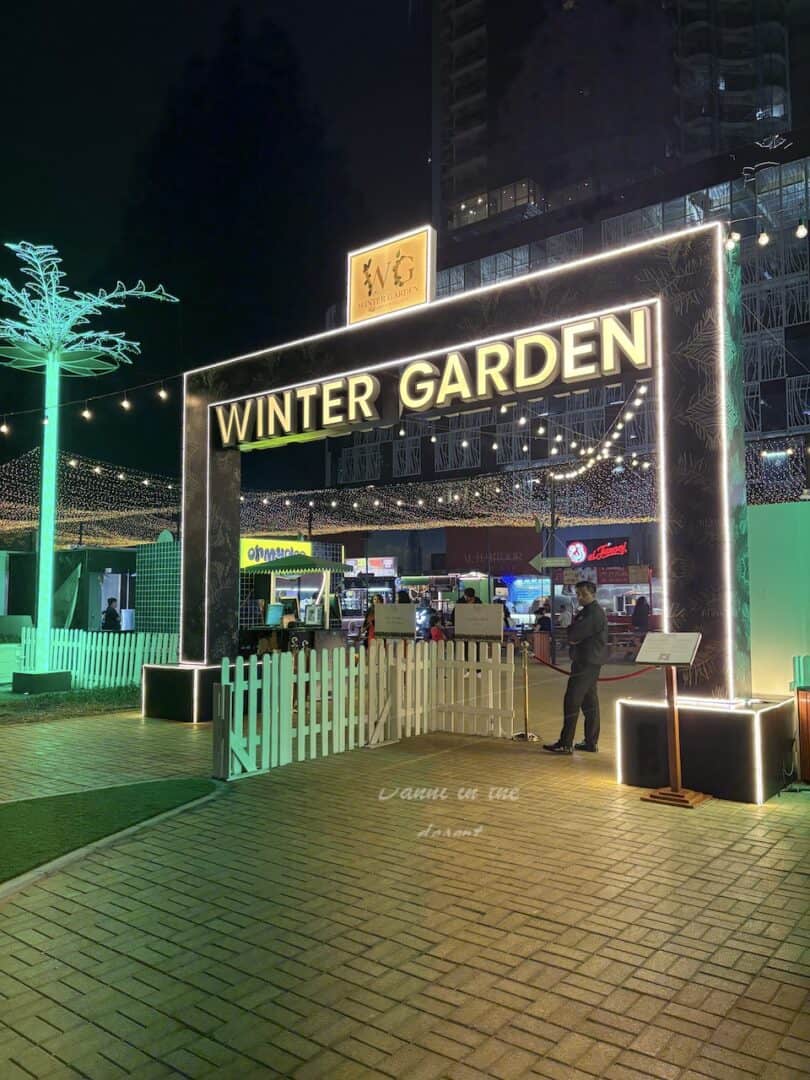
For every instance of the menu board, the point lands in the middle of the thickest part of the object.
(484, 622)
(677, 649)
(395, 620)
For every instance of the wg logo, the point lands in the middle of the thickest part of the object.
(400, 269)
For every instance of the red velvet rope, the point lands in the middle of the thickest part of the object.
(604, 678)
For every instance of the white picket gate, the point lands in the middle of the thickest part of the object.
(296, 707)
(98, 659)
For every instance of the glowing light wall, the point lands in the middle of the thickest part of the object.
(779, 553)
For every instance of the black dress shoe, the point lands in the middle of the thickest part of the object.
(557, 748)
(591, 749)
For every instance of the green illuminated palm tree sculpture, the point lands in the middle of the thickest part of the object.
(47, 337)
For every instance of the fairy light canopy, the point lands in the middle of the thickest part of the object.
(112, 505)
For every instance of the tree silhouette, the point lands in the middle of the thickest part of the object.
(47, 337)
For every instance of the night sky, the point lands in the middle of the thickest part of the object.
(119, 118)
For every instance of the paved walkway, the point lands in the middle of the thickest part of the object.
(304, 926)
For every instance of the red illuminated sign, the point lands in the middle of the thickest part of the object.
(608, 551)
(582, 552)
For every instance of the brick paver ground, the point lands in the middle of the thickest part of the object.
(303, 926)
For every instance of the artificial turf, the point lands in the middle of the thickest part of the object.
(36, 831)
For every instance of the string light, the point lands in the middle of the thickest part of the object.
(163, 393)
(433, 438)
(126, 404)
(494, 446)
(801, 229)
(541, 430)
(401, 431)
(522, 421)
(764, 238)
(4, 428)
(86, 413)
(464, 443)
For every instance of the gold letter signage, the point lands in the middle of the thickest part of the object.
(576, 352)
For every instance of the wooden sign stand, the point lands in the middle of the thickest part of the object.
(672, 651)
(675, 794)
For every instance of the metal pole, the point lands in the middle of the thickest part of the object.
(552, 502)
(673, 733)
(47, 514)
(526, 690)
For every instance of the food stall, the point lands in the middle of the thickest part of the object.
(289, 602)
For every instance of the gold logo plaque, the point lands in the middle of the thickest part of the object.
(396, 274)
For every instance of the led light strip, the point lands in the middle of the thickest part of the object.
(546, 272)
(695, 705)
(661, 448)
(725, 504)
(195, 670)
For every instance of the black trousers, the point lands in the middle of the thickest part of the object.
(581, 694)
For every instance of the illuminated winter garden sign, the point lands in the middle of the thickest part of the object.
(576, 352)
(665, 311)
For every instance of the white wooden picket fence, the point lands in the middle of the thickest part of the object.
(297, 707)
(98, 659)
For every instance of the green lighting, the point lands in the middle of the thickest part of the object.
(47, 337)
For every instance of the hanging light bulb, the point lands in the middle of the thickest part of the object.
(464, 443)
(73, 463)
(638, 401)
(629, 415)
(86, 413)
(433, 438)
(355, 505)
(573, 444)
(541, 430)
(145, 483)
(522, 421)
(764, 238)
(399, 502)
(503, 408)
(45, 420)
(441, 498)
(265, 502)
(801, 229)
(494, 446)
(126, 404)
(477, 494)
(286, 502)
(310, 504)
(497, 491)
(163, 393)
(420, 502)
(525, 448)
(455, 498)
(401, 432)
(558, 437)
(643, 389)
(4, 428)
(333, 504)
(376, 502)
(554, 451)
(121, 476)
(97, 470)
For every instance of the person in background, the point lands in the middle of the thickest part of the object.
(587, 640)
(640, 619)
(111, 620)
(467, 597)
(404, 597)
(367, 634)
(543, 620)
(436, 632)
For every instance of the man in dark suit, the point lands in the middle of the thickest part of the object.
(587, 643)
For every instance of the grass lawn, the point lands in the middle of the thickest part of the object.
(35, 831)
(21, 708)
